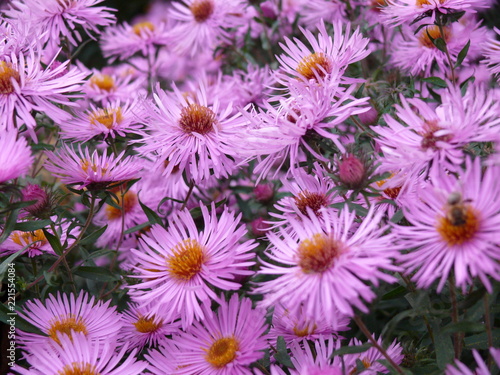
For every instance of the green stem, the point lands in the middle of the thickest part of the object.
(441, 31)
(487, 322)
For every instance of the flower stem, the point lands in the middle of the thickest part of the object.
(487, 322)
(374, 342)
(188, 195)
(454, 317)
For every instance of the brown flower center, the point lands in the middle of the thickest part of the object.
(106, 117)
(187, 260)
(222, 352)
(7, 74)
(316, 255)
(103, 81)
(148, 325)
(434, 33)
(127, 202)
(460, 224)
(306, 330)
(429, 139)
(312, 200)
(202, 10)
(66, 324)
(197, 118)
(315, 65)
(79, 369)
(140, 27)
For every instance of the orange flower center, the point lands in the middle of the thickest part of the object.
(186, 260)
(306, 330)
(79, 369)
(7, 74)
(148, 325)
(140, 27)
(126, 202)
(197, 118)
(312, 200)
(316, 255)
(106, 117)
(421, 3)
(315, 65)
(434, 33)
(460, 224)
(202, 10)
(66, 324)
(222, 352)
(37, 238)
(103, 81)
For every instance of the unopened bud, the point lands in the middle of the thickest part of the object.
(264, 192)
(42, 206)
(259, 227)
(269, 9)
(352, 172)
(369, 117)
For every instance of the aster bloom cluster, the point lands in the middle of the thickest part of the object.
(241, 187)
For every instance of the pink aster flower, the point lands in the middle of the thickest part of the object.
(15, 155)
(191, 135)
(62, 316)
(324, 266)
(79, 354)
(26, 87)
(123, 41)
(454, 229)
(436, 136)
(296, 327)
(202, 24)
(398, 12)
(317, 361)
(141, 329)
(180, 266)
(313, 12)
(330, 54)
(371, 357)
(458, 368)
(108, 120)
(93, 171)
(62, 19)
(224, 343)
(492, 55)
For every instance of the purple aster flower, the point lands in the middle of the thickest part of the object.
(223, 343)
(15, 155)
(454, 229)
(317, 361)
(62, 316)
(313, 12)
(437, 136)
(61, 19)
(458, 368)
(191, 135)
(492, 55)
(79, 354)
(398, 12)
(180, 266)
(108, 120)
(294, 326)
(26, 87)
(93, 171)
(324, 266)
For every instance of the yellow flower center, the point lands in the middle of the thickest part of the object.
(460, 224)
(79, 368)
(222, 352)
(127, 202)
(106, 117)
(434, 33)
(148, 325)
(312, 200)
(24, 238)
(306, 330)
(421, 3)
(315, 65)
(196, 118)
(316, 255)
(86, 164)
(186, 260)
(65, 324)
(202, 10)
(7, 74)
(103, 81)
(140, 27)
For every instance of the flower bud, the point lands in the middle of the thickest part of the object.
(42, 207)
(352, 172)
(259, 227)
(369, 117)
(264, 192)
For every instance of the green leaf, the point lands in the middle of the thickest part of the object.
(282, 355)
(463, 53)
(443, 346)
(42, 147)
(435, 81)
(352, 349)
(22, 324)
(395, 293)
(98, 253)
(398, 215)
(439, 43)
(54, 242)
(95, 273)
(138, 227)
(5, 264)
(92, 237)
(9, 225)
(151, 215)
(480, 341)
(30, 226)
(463, 326)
